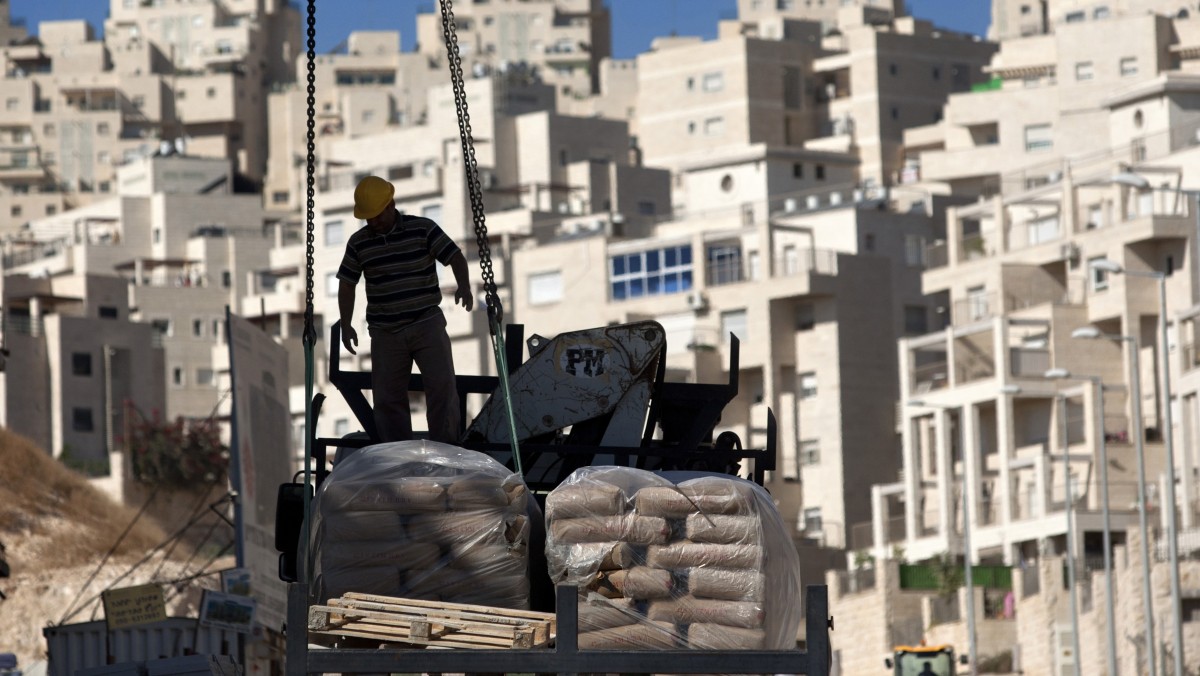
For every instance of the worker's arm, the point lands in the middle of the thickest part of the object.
(346, 310)
(462, 296)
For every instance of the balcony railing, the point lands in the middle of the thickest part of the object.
(855, 581)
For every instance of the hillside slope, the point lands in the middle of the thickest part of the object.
(57, 529)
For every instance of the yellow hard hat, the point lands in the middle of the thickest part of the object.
(372, 196)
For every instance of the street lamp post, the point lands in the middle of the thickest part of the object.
(1113, 267)
(1063, 374)
(1070, 505)
(967, 568)
(1091, 332)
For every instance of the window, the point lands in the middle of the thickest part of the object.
(810, 452)
(691, 84)
(1100, 12)
(1075, 17)
(869, 242)
(198, 328)
(646, 208)
(204, 377)
(104, 186)
(820, 172)
(1129, 66)
(81, 420)
(139, 102)
(893, 69)
(562, 157)
(726, 183)
(798, 170)
(1084, 71)
(368, 115)
(335, 233)
(81, 363)
(156, 235)
(162, 327)
(714, 126)
(977, 303)
(808, 385)
(15, 210)
(1099, 277)
(806, 317)
(545, 287)
(936, 73)
(914, 251)
(279, 196)
(102, 128)
(713, 82)
(341, 427)
(1043, 229)
(177, 378)
(226, 279)
(217, 332)
(793, 88)
(48, 129)
(11, 103)
(108, 312)
(812, 520)
(691, 127)
(724, 264)
(211, 92)
(733, 322)
(916, 320)
(1038, 137)
(650, 273)
(332, 283)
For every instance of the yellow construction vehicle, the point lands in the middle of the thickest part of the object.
(922, 660)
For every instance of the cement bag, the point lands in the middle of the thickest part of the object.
(678, 559)
(423, 520)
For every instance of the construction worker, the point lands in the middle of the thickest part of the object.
(396, 254)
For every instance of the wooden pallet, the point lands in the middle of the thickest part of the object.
(431, 623)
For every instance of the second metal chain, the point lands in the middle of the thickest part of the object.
(470, 165)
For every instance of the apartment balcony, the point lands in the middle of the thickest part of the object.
(982, 160)
(14, 168)
(273, 303)
(792, 273)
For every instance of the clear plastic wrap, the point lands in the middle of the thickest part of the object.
(423, 520)
(674, 560)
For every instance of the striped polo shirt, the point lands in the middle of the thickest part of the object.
(402, 282)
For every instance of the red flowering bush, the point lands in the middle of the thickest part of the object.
(181, 454)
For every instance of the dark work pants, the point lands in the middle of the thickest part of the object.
(392, 357)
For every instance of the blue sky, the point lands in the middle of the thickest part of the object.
(635, 22)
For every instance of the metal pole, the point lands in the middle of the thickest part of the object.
(966, 505)
(1168, 440)
(1108, 571)
(1147, 592)
(1070, 536)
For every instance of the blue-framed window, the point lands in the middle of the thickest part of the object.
(650, 273)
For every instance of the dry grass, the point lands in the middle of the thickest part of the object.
(51, 517)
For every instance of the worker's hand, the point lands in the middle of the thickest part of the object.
(464, 298)
(349, 335)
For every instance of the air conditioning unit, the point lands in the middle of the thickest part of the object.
(697, 301)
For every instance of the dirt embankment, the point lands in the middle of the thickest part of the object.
(57, 529)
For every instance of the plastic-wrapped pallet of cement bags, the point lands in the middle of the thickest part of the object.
(423, 520)
(704, 563)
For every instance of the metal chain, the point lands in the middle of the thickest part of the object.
(470, 165)
(310, 330)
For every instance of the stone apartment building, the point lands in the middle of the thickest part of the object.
(1081, 153)
(76, 108)
(177, 246)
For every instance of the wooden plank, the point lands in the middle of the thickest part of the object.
(345, 605)
(448, 612)
(440, 628)
(386, 638)
(494, 641)
(439, 605)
